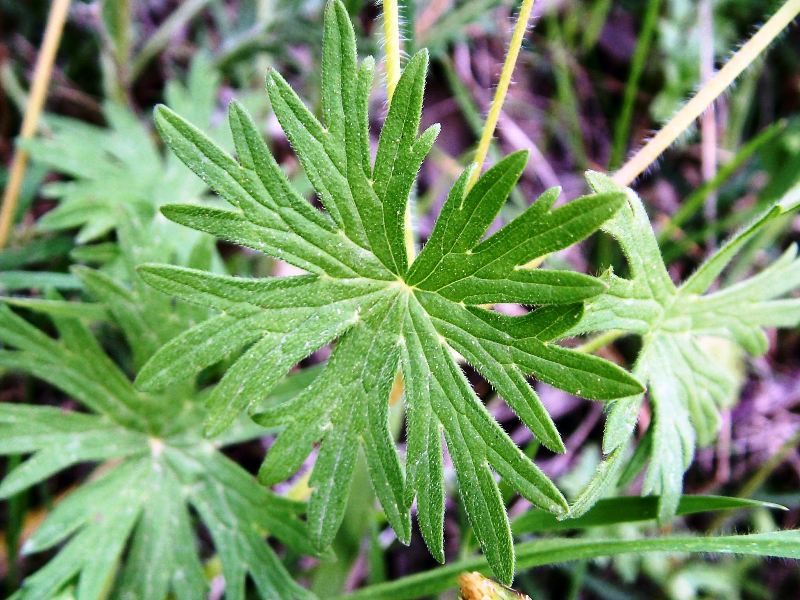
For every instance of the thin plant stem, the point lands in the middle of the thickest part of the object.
(695, 201)
(708, 93)
(600, 341)
(708, 123)
(622, 127)
(159, 40)
(752, 485)
(41, 79)
(566, 92)
(502, 90)
(391, 40)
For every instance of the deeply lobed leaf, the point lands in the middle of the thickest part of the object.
(384, 314)
(162, 471)
(687, 382)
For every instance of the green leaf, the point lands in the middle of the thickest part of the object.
(117, 169)
(20, 280)
(629, 509)
(782, 544)
(162, 472)
(384, 314)
(685, 371)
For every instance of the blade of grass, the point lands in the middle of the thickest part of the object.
(784, 544)
(708, 120)
(565, 91)
(185, 12)
(437, 35)
(694, 202)
(629, 509)
(598, 15)
(752, 485)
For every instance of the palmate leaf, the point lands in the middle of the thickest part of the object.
(687, 382)
(119, 168)
(386, 314)
(160, 471)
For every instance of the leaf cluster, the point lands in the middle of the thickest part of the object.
(119, 170)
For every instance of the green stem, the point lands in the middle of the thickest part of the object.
(604, 339)
(622, 128)
(159, 40)
(695, 201)
(502, 89)
(752, 485)
(557, 550)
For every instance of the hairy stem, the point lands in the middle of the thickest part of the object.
(708, 93)
(41, 80)
(502, 89)
(391, 40)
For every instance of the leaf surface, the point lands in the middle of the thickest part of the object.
(385, 313)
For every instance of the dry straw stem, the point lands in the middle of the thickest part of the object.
(708, 93)
(41, 79)
(502, 89)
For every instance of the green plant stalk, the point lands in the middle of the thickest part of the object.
(557, 550)
(696, 199)
(767, 238)
(159, 40)
(391, 40)
(437, 35)
(502, 89)
(684, 118)
(598, 15)
(600, 341)
(115, 57)
(566, 92)
(622, 127)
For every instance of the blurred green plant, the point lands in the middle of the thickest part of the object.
(119, 168)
